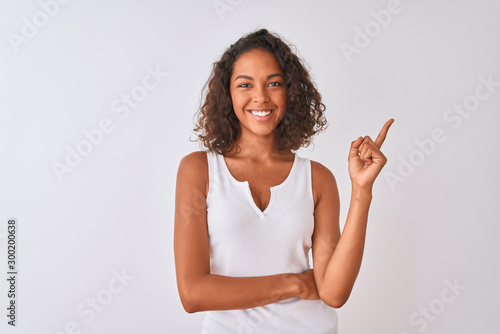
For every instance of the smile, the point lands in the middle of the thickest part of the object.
(261, 112)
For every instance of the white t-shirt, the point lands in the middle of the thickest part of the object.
(245, 241)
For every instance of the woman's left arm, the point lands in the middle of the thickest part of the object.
(337, 258)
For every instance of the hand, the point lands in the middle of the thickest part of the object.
(307, 285)
(365, 159)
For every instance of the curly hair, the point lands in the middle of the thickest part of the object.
(217, 126)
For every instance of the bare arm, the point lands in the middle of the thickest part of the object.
(337, 258)
(200, 290)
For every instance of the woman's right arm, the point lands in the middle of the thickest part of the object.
(200, 290)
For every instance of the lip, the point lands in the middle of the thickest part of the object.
(259, 118)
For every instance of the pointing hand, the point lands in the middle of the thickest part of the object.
(365, 159)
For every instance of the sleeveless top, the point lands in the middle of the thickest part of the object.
(245, 241)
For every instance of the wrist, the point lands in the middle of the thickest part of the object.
(361, 192)
(292, 286)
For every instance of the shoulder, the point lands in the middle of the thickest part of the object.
(323, 180)
(193, 169)
(321, 172)
(194, 159)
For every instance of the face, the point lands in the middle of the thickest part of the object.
(258, 92)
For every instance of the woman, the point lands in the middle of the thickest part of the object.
(248, 210)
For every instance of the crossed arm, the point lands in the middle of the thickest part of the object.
(200, 290)
(336, 259)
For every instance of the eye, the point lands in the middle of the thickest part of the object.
(275, 83)
(244, 85)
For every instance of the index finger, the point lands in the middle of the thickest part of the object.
(383, 133)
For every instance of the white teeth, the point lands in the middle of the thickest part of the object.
(261, 113)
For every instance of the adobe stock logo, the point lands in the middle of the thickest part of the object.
(121, 106)
(425, 315)
(31, 28)
(454, 117)
(96, 303)
(372, 29)
(224, 6)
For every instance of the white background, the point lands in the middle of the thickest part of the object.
(437, 223)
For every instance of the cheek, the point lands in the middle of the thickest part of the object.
(237, 98)
(282, 98)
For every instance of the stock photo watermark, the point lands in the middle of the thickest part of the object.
(96, 303)
(122, 106)
(453, 117)
(224, 6)
(12, 270)
(363, 37)
(31, 27)
(424, 315)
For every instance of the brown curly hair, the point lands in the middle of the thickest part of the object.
(217, 126)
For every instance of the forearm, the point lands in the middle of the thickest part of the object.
(217, 292)
(345, 262)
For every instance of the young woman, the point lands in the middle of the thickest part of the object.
(249, 209)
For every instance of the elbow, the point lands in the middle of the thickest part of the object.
(190, 308)
(189, 300)
(189, 304)
(335, 303)
(335, 300)
(192, 294)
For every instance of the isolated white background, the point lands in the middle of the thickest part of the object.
(115, 210)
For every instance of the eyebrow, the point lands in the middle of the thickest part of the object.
(268, 77)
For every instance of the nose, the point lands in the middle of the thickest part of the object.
(261, 96)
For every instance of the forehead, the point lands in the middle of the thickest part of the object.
(255, 61)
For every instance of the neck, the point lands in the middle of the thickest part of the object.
(257, 147)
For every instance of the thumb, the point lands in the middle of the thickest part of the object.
(353, 152)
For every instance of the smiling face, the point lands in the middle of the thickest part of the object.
(258, 92)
